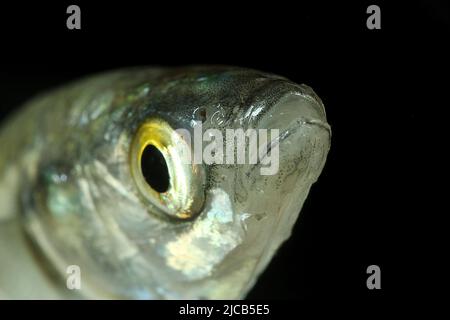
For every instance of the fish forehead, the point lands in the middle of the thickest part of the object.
(128, 96)
(123, 99)
(100, 108)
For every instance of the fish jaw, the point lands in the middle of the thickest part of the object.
(269, 205)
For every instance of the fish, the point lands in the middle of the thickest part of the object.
(100, 199)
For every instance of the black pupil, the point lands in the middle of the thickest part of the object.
(154, 169)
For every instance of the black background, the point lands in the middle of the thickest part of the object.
(380, 88)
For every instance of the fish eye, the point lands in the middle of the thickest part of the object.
(154, 168)
(170, 185)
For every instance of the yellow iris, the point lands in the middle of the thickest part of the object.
(184, 196)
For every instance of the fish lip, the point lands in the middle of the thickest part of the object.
(302, 121)
(266, 99)
(313, 105)
(310, 112)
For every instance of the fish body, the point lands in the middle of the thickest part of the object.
(75, 189)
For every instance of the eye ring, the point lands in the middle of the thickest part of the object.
(182, 195)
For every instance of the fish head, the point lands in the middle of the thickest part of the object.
(193, 181)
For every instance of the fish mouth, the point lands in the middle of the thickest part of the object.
(275, 200)
(287, 120)
(292, 110)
